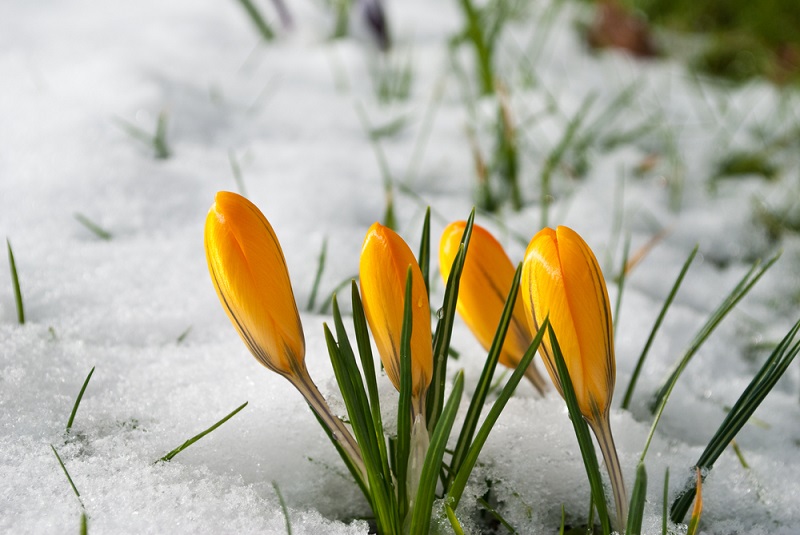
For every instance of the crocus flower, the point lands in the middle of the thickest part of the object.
(561, 279)
(249, 273)
(485, 283)
(385, 260)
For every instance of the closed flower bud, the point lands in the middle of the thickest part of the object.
(249, 273)
(562, 279)
(484, 286)
(385, 260)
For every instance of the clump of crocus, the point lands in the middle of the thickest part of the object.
(561, 279)
(485, 283)
(249, 273)
(386, 261)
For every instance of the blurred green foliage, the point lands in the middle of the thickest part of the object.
(748, 38)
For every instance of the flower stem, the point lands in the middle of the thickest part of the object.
(602, 430)
(340, 433)
(536, 379)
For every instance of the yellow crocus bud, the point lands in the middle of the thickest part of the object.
(385, 260)
(249, 273)
(561, 278)
(485, 283)
(562, 281)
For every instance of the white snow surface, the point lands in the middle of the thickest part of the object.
(286, 110)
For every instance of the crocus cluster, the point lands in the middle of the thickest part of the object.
(561, 280)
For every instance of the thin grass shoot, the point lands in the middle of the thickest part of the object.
(78, 400)
(169, 456)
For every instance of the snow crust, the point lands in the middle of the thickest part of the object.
(69, 71)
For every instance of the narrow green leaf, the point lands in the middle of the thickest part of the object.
(621, 283)
(312, 298)
(404, 405)
(736, 295)
(66, 473)
(454, 523)
(460, 482)
(638, 497)
(425, 251)
(348, 462)
(160, 139)
(15, 283)
(99, 231)
(78, 400)
(444, 328)
(84, 524)
(496, 515)
(664, 514)
(183, 335)
(370, 377)
(197, 437)
(236, 170)
(556, 155)
(326, 304)
(626, 402)
(283, 507)
(426, 492)
(583, 435)
(370, 440)
(484, 382)
(258, 20)
(563, 524)
(742, 410)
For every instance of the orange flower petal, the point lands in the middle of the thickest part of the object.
(249, 273)
(385, 259)
(485, 282)
(561, 278)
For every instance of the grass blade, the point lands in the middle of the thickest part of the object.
(626, 401)
(236, 169)
(460, 482)
(556, 155)
(15, 282)
(444, 328)
(582, 433)
(736, 295)
(176, 451)
(496, 515)
(664, 514)
(694, 522)
(258, 20)
(621, 283)
(323, 253)
(426, 492)
(454, 523)
(66, 473)
(425, 251)
(283, 508)
(638, 497)
(742, 410)
(403, 446)
(485, 381)
(369, 439)
(99, 231)
(78, 400)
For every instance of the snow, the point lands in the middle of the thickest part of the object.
(70, 71)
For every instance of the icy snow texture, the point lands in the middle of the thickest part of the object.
(69, 71)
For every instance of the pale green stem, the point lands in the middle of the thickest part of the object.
(602, 430)
(536, 379)
(420, 440)
(341, 434)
